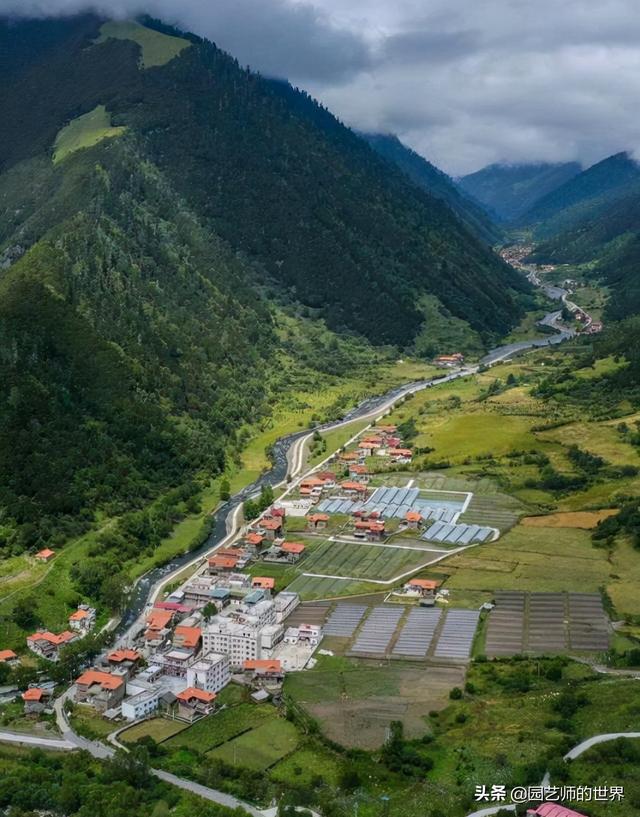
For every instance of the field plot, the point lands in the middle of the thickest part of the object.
(601, 439)
(221, 727)
(84, 132)
(418, 631)
(456, 637)
(568, 519)
(365, 561)
(307, 613)
(259, 748)
(313, 587)
(355, 700)
(493, 510)
(377, 631)
(541, 623)
(159, 729)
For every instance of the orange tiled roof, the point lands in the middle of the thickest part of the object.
(273, 665)
(270, 524)
(292, 547)
(78, 615)
(7, 655)
(190, 636)
(266, 582)
(254, 538)
(318, 517)
(52, 638)
(413, 516)
(105, 679)
(33, 694)
(199, 694)
(428, 584)
(118, 656)
(45, 553)
(158, 619)
(354, 486)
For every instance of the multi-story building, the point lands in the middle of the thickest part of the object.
(285, 603)
(102, 690)
(47, 645)
(83, 620)
(210, 673)
(141, 704)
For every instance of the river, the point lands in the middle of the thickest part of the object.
(278, 472)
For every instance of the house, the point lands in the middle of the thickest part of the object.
(101, 690)
(8, 657)
(354, 489)
(449, 361)
(174, 662)
(222, 563)
(292, 550)
(35, 700)
(312, 486)
(387, 430)
(158, 626)
(368, 448)
(401, 455)
(327, 478)
(124, 661)
(371, 530)
(317, 521)
(187, 638)
(272, 528)
(553, 810)
(210, 673)
(45, 555)
(254, 541)
(194, 703)
(424, 588)
(83, 619)
(350, 456)
(263, 582)
(413, 519)
(284, 604)
(263, 673)
(142, 704)
(47, 645)
(358, 472)
(309, 634)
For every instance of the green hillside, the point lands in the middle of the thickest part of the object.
(508, 191)
(437, 183)
(140, 274)
(586, 196)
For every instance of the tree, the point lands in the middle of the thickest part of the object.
(24, 613)
(225, 490)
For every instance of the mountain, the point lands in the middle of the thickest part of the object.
(584, 196)
(156, 201)
(428, 177)
(508, 191)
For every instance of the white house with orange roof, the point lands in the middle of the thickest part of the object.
(47, 645)
(83, 620)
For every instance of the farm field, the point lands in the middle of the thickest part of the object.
(222, 726)
(602, 439)
(259, 748)
(568, 519)
(159, 729)
(365, 561)
(354, 701)
(314, 587)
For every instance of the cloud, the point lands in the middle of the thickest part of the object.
(276, 37)
(463, 82)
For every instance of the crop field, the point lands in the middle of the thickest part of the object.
(316, 587)
(355, 701)
(259, 748)
(365, 561)
(157, 48)
(221, 727)
(602, 439)
(568, 519)
(84, 132)
(159, 729)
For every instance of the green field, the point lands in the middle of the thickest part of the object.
(222, 726)
(365, 561)
(84, 132)
(157, 48)
(313, 587)
(261, 747)
(157, 728)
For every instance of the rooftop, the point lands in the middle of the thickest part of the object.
(105, 679)
(193, 693)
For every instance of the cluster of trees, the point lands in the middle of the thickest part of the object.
(252, 508)
(400, 755)
(77, 785)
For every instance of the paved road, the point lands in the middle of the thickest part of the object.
(42, 742)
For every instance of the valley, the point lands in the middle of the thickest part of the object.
(319, 468)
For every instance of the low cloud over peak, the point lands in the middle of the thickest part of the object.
(462, 82)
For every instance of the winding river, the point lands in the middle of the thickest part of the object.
(372, 407)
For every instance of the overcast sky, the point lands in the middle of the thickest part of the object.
(464, 82)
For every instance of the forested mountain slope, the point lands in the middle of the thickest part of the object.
(154, 198)
(511, 190)
(585, 196)
(434, 181)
